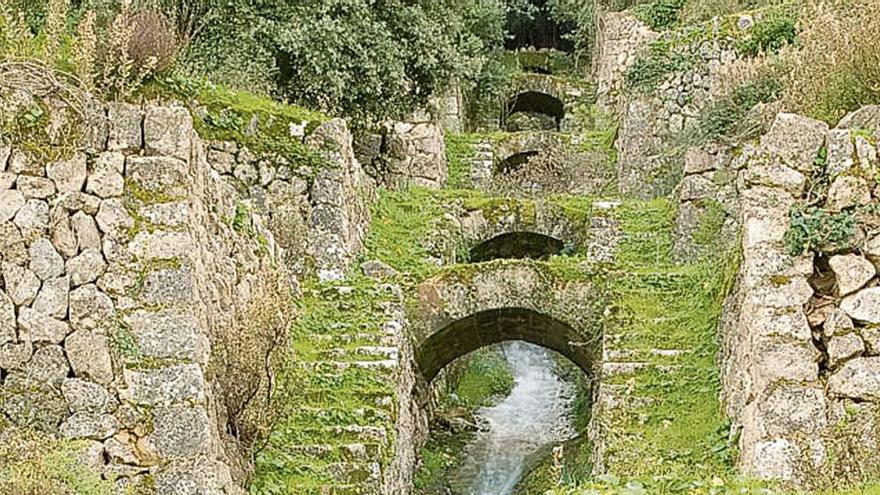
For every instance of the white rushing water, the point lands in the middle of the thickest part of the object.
(535, 415)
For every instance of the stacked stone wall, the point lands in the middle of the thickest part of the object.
(128, 261)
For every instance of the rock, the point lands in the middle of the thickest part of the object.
(168, 334)
(871, 338)
(86, 396)
(87, 234)
(21, 284)
(161, 245)
(222, 161)
(37, 327)
(773, 460)
(7, 180)
(181, 431)
(5, 151)
(10, 202)
(125, 132)
(48, 365)
(105, 180)
(62, 236)
(12, 247)
(113, 219)
(14, 356)
(866, 152)
(376, 269)
(846, 192)
(182, 383)
(837, 323)
(80, 201)
(86, 267)
(21, 163)
(89, 356)
(35, 187)
(857, 379)
(697, 160)
(168, 131)
(163, 178)
(863, 306)
(68, 175)
(844, 347)
(32, 404)
(696, 187)
(168, 286)
(852, 272)
(7, 320)
(796, 140)
(120, 452)
(778, 176)
(840, 152)
(32, 219)
(88, 425)
(866, 117)
(46, 263)
(90, 309)
(173, 215)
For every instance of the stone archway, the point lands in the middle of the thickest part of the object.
(517, 245)
(534, 103)
(475, 306)
(516, 161)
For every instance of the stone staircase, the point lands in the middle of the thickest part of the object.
(338, 437)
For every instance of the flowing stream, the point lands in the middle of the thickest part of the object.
(535, 416)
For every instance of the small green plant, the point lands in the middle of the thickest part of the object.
(815, 229)
(241, 223)
(769, 35)
(648, 71)
(722, 117)
(659, 14)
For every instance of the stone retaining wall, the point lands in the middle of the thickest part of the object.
(126, 264)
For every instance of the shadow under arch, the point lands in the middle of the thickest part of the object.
(485, 328)
(517, 245)
(516, 161)
(534, 102)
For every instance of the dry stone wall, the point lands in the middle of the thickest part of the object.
(126, 264)
(800, 363)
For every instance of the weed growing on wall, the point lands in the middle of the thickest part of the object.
(818, 230)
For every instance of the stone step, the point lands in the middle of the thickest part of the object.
(620, 397)
(336, 416)
(349, 452)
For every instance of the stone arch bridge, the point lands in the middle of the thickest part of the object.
(469, 307)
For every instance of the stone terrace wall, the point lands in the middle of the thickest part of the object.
(124, 264)
(800, 368)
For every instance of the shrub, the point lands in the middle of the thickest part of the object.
(833, 69)
(769, 35)
(153, 44)
(814, 229)
(724, 115)
(659, 14)
(648, 71)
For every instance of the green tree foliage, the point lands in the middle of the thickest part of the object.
(368, 59)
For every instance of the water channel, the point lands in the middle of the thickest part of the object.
(533, 418)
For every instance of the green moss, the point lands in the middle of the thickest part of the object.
(486, 377)
(460, 153)
(28, 128)
(649, 71)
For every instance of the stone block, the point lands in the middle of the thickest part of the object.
(89, 425)
(37, 327)
(90, 309)
(89, 356)
(857, 379)
(847, 192)
(175, 384)
(125, 131)
(48, 365)
(85, 396)
(86, 267)
(863, 306)
(168, 131)
(168, 334)
(32, 219)
(86, 230)
(35, 187)
(841, 348)
(161, 177)
(61, 233)
(105, 179)
(11, 201)
(796, 140)
(852, 272)
(68, 175)
(181, 431)
(169, 286)
(32, 404)
(22, 284)
(162, 245)
(45, 261)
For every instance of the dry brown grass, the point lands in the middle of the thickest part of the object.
(245, 356)
(835, 66)
(154, 43)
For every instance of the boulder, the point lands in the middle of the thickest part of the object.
(857, 379)
(105, 180)
(68, 175)
(863, 306)
(45, 262)
(847, 192)
(852, 272)
(844, 347)
(89, 356)
(22, 284)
